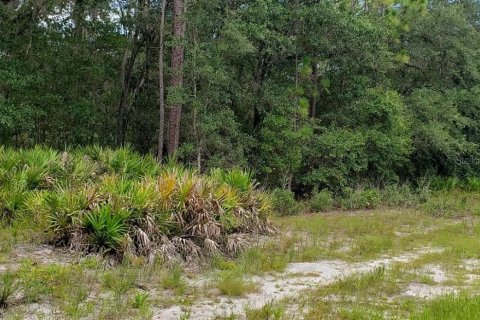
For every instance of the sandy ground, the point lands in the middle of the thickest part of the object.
(291, 283)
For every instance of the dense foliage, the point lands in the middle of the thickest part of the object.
(96, 199)
(309, 95)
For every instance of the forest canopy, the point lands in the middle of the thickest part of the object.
(306, 94)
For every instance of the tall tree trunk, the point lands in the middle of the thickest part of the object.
(79, 19)
(161, 88)
(177, 76)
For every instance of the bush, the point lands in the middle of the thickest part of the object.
(398, 195)
(444, 184)
(321, 201)
(284, 202)
(117, 201)
(360, 199)
(472, 184)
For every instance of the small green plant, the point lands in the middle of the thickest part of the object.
(173, 279)
(140, 300)
(267, 312)
(233, 283)
(7, 288)
(106, 228)
(284, 203)
(321, 201)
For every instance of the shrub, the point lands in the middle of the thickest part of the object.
(117, 201)
(398, 195)
(321, 201)
(472, 184)
(446, 184)
(360, 199)
(284, 202)
(106, 228)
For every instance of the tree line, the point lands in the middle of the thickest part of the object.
(307, 94)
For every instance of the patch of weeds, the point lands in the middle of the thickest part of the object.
(91, 262)
(114, 309)
(67, 287)
(460, 240)
(448, 208)
(265, 259)
(451, 307)
(221, 263)
(360, 199)
(369, 245)
(40, 282)
(173, 279)
(119, 281)
(186, 315)
(398, 196)
(233, 283)
(140, 300)
(321, 200)
(8, 288)
(269, 311)
(360, 313)
(7, 241)
(376, 282)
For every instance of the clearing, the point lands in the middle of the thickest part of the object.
(377, 264)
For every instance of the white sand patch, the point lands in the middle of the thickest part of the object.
(436, 272)
(296, 278)
(424, 291)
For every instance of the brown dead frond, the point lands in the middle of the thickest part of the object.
(236, 243)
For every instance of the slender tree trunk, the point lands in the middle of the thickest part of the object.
(313, 99)
(79, 20)
(161, 88)
(177, 76)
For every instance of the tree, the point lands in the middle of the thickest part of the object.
(176, 82)
(161, 89)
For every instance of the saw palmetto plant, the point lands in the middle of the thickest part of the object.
(117, 201)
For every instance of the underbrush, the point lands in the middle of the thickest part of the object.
(118, 202)
(440, 197)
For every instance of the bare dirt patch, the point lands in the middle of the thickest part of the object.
(297, 278)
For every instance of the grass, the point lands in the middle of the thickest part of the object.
(173, 279)
(7, 288)
(270, 311)
(234, 284)
(451, 308)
